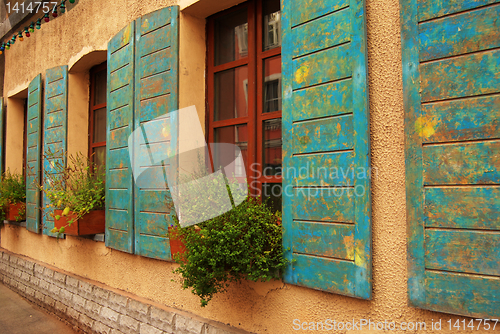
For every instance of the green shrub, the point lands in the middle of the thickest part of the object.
(12, 191)
(244, 243)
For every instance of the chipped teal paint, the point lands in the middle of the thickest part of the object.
(324, 239)
(321, 101)
(462, 163)
(306, 10)
(468, 75)
(463, 294)
(460, 170)
(335, 169)
(2, 131)
(432, 9)
(473, 118)
(322, 33)
(479, 208)
(55, 130)
(451, 251)
(458, 34)
(327, 134)
(156, 94)
(325, 125)
(33, 150)
(120, 111)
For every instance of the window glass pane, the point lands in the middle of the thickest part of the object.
(99, 125)
(271, 195)
(272, 147)
(231, 37)
(235, 134)
(231, 94)
(272, 84)
(100, 157)
(100, 87)
(271, 29)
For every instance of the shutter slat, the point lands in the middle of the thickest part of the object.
(326, 197)
(467, 75)
(437, 8)
(452, 156)
(321, 101)
(54, 138)
(478, 208)
(457, 35)
(473, 252)
(470, 163)
(156, 94)
(469, 295)
(33, 157)
(458, 120)
(120, 120)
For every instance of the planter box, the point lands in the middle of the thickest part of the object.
(91, 223)
(13, 211)
(176, 242)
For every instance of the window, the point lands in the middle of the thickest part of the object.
(97, 116)
(244, 90)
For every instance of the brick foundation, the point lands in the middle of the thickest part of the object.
(90, 307)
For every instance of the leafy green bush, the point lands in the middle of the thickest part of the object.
(78, 187)
(12, 191)
(244, 243)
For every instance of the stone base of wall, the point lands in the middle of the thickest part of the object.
(91, 307)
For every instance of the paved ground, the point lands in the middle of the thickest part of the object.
(18, 316)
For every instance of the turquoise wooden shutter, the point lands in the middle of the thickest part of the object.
(326, 185)
(156, 94)
(33, 150)
(55, 129)
(120, 118)
(451, 81)
(2, 131)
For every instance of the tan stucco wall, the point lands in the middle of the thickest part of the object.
(257, 307)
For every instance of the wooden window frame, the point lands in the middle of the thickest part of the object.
(93, 108)
(254, 120)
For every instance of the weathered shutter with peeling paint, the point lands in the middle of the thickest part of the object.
(33, 150)
(120, 123)
(326, 176)
(156, 94)
(55, 130)
(451, 80)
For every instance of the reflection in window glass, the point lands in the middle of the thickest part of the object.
(271, 30)
(272, 147)
(231, 37)
(231, 93)
(237, 135)
(99, 125)
(100, 157)
(100, 87)
(272, 84)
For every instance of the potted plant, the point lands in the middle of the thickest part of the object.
(77, 194)
(13, 196)
(243, 243)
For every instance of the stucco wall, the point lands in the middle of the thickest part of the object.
(257, 307)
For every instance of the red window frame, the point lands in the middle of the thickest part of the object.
(256, 116)
(93, 107)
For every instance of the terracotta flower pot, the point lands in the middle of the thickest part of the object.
(91, 223)
(177, 245)
(14, 210)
